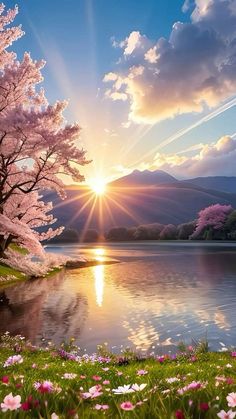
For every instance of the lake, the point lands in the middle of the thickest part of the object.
(160, 293)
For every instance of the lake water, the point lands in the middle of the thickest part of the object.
(158, 295)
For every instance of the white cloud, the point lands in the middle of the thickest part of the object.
(194, 68)
(132, 42)
(212, 159)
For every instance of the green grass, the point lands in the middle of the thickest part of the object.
(159, 399)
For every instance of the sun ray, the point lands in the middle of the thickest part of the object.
(79, 212)
(69, 201)
(86, 225)
(125, 210)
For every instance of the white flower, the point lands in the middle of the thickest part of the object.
(69, 376)
(54, 416)
(228, 366)
(137, 387)
(226, 415)
(123, 389)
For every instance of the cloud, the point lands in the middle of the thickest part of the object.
(213, 159)
(194, 68)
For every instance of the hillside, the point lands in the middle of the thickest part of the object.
(142, 197)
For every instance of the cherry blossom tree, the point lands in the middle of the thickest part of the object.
(36, 145)
(211, 220)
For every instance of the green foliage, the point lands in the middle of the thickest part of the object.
(159, 400)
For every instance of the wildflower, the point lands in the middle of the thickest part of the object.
(105, 369)
(123, 389)
(106, 382)
(231, 399)
(54, 416)
(119, 373)
(101, 407)
(45, 387)
(194, 385)
(204, 407)
(137, 387)
(127, 406)
(233, 354)
(96, 378)
(179, 414)
(11, 402)
(226, 415)
(69, 376)
(228, 366)
(142, 372)
(5, 379)
(15, 359)
(93, 392)
(172, 380)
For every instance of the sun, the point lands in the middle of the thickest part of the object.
(98, 186)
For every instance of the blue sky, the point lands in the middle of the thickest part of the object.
(76, 37)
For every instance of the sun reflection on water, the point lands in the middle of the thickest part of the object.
(99, 253)
(99, 283)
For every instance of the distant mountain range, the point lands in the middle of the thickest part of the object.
(143, 198)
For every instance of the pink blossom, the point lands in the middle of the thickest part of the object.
(101, 407)
(44, 387)
(226, 415)
(231, 399)
(179, 414)
(11, 402)
(195, 385)
(96, 378)
(142, 372)
(127, 406)
(93, 392)
(5, 379)
(106, 382)
(233, 354)
(204, 407)
(15, 359)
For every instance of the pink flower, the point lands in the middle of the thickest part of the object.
(194, 385)
(15, 359)
(127, 406)
(93, 392)
(105, 369)
(106, 382)
(96, 378)
(204, 407)
(119, 373)
(233, 354)
(226, 415)
(5, 379)
(101, 407)
(45, 387)
(231, 399)
(11, 402)
(142, 372)
(179, 414)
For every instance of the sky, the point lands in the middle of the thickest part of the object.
(151, 82)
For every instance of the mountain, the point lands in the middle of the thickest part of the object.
(138, 178)
(219, 183)
(139, 198)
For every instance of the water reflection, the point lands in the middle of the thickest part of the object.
(156, 297)
(99, 283)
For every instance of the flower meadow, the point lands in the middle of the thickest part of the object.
(66, 383)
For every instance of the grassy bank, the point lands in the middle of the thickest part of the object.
(64, 384)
